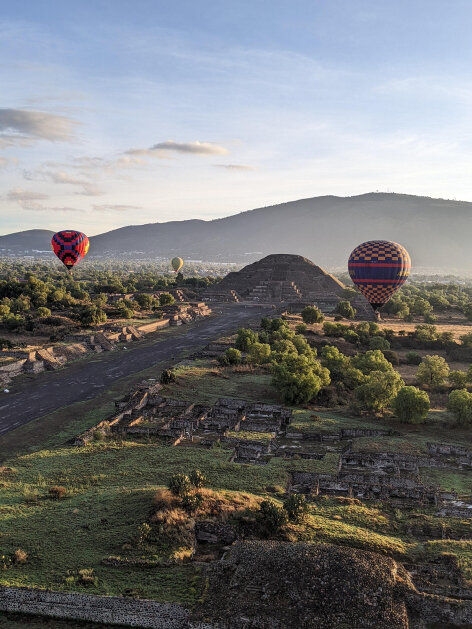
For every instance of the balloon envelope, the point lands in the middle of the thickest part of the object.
(378, 268)
(70, 246)
(177, 264)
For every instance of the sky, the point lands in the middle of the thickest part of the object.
(119, 112)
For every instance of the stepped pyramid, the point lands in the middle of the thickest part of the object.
(282, 278)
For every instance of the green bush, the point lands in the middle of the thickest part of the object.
(258, 353)
(433, 371)
(345, 309)
(271, 517)
(299, 378)
(197, 478)
(179, 484)
(166, 299)
(296, 507)
(192, 502)
(378, 390)
(233, 356)
(167, 376)
(460, 404)
(312, 314)
(412, 358)
(458, 379)
(379, 342)
(43, 312)
(245, 338)
(411, 405)
(301, 328)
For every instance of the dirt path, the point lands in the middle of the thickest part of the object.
(84, 380)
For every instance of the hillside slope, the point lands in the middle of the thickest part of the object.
(437, 232)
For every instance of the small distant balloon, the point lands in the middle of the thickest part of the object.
(70, 247)
(378, 268)
(176, 264)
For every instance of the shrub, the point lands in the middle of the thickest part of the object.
(460, 404)
(344, 309)
(379, 342)
(299, 378)
(412, 358)
(43, 312)
(92, 315)
(271, 517)
(166, 299)
(301, 328)
(57, 492)
(433, 371)
(411, 405)
(192, 502)
(198, 479)
(20, 556)
(179, 484)
(458, 379)
(466, 339)
(258, 353)
(233, 355)
(312, 314)
(392, 357)
(378, 390)
(296, 507)
(167, 376)
(245, 338)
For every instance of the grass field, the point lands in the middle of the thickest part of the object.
(110, 487)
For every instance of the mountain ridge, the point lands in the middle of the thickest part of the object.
(325, 229)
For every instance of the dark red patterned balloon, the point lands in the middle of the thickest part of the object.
(70, 246)
(378, 268)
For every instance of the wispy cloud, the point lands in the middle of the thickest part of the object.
(199, 148)
(23, 125)
(234, 166)
(115, 207)
(86, 187)
(20, 195)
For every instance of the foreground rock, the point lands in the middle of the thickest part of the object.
(282, 585)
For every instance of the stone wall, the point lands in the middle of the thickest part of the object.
(103, 609)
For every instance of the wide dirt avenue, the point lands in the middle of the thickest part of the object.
(85, 379)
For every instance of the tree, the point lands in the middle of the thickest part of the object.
(258, 353)
(312, 314)
(144, 300)
(299, 378)
(426, 333)
(460, 404)
(466, 339)
(43, 312)
(378, 342)
(166, 299)
(301, 328)
(345, 309)
(92, 315)
(458, 379)
(421, 306)
(413, 358)
(245, 338)
(378, 390)
(372, 360)
(433, 371)
(179, 484)
(296, 507)
(335, 361)
(233, 356)
(272, 517)
(411, 405)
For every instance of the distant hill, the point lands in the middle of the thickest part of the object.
(26, 242)
(436, 232)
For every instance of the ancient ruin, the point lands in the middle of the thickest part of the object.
(283, 279)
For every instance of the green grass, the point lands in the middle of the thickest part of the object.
(203, 381)
(250, 436)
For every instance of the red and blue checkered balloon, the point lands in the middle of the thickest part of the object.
(70, 246)
(378, 268)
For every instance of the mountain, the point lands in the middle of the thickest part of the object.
(27, 242)
(436, 232)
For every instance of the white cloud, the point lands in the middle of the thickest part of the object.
(20, 195)
(116, 207)
(86, 187)
(199, 148)
(234, 166)
(20, 125)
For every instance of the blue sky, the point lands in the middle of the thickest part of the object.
(118, 112)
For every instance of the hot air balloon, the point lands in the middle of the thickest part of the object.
(70, 246)
(177, 264)
(378, 268)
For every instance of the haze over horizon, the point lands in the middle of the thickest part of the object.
(119, 113)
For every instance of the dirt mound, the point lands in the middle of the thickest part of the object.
(283, 585)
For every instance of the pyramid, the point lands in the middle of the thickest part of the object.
(281, 278)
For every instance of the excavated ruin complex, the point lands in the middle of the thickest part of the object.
(283, 278)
